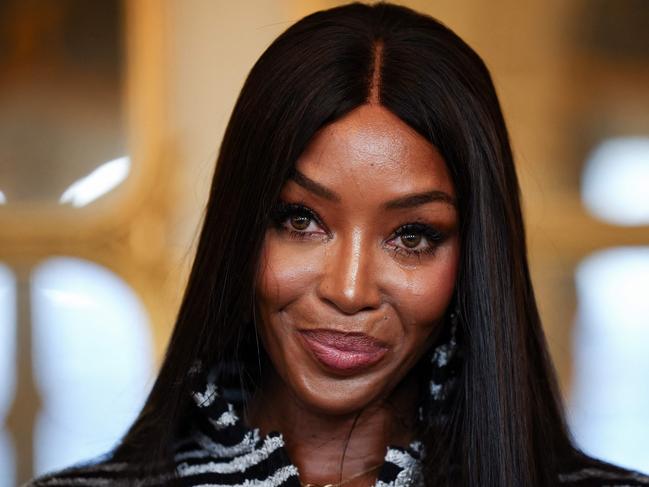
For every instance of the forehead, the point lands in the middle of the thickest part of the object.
(372, 148)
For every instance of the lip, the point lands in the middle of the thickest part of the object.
(342, 352)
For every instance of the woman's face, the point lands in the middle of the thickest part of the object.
(360, 266)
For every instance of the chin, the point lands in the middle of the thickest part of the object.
(334, 395)
(338, 397)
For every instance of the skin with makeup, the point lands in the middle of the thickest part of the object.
(356, 276)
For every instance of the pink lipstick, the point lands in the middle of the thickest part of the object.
(343, 353)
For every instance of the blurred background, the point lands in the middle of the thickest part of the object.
(111, 114)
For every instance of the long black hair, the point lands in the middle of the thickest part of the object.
(507, 425)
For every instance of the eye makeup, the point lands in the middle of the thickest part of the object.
(422, 232)
(411, 240)
(290, 218)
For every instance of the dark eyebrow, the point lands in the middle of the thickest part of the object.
(314, 187)
(418, 199)
(409, 201)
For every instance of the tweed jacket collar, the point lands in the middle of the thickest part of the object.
(221, 450)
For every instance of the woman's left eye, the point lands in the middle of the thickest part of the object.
(415, 240)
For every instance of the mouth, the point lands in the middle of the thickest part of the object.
(343, 353)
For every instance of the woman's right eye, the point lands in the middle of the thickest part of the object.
(299, 221)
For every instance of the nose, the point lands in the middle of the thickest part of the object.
(349, 280)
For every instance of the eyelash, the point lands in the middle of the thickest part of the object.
(433, 236)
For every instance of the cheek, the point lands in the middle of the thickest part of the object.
(421, 295)
(285, 275)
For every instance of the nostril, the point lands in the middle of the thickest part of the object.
(350, 305)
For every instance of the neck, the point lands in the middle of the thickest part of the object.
(328, 449)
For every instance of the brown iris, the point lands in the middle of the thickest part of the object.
(300, 222)
(411, 240)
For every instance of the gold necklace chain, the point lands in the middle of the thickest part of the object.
(359, 474)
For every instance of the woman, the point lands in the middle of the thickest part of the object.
(360, 309)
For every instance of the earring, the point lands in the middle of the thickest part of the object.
(444, 361)
(442, 357)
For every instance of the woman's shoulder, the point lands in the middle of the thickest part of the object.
(101, 471)
(91, 473)
(589, 472)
